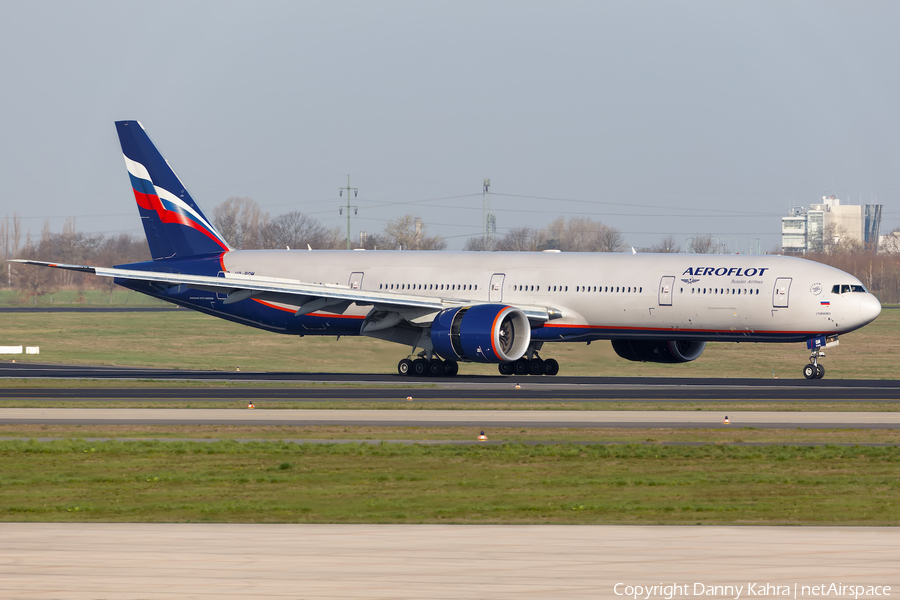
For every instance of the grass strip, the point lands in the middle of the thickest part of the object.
(391, 483)
(505, 434)
(650, 405)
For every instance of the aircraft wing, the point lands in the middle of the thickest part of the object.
(309, 297)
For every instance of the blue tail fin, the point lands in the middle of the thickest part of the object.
(174, 224)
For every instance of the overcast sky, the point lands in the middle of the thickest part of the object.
(653, 117)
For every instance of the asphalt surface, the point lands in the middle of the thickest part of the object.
(136, 561)
(454, 418)
(456, 389)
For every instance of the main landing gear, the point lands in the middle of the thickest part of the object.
(814, 370)
(423, 367)
(535, 366)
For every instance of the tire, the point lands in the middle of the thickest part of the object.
(536, 367)
(810, 371)
(404, 367)
(551, 367)
(436, 368)
(505, 368)
(454, 367)
(820, 371)
(520, 367)
(420, 367)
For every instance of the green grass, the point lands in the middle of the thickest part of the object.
(496, 434)
(276, 482)
(186, 339)
(118, 297)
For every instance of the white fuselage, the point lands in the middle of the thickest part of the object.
(603, 296)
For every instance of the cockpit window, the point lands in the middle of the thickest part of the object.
(846, 289)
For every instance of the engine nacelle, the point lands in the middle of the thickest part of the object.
(488, 333)
(659, 351)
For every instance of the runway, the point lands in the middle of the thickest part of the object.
(408, 562)
(375, 387)
(453, 418)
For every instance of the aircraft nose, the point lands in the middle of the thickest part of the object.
(869, 308)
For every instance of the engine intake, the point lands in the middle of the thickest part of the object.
(659, 351)
(488, 333)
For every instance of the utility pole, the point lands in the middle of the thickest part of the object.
(348, 207)
(488, 220)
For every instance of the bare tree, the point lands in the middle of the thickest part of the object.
(609, 239)
(480, 244)
(891, 243)
(241, 222)
(297, 230)
(521, 239)
(667, 245)
(701, 244)
(581, 234)
(408, 233)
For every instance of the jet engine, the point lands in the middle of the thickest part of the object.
(488, 333)
(659, 351)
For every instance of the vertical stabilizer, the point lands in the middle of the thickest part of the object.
(174, 224)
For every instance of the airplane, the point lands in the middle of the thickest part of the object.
(483, 307)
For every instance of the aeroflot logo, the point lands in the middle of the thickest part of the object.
(732, 272)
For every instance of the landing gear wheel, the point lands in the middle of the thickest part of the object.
(551, 367)
(820, 371)
(505, 368)
(420, 367)
(404, 367)
(536, 367)
(810, 371)
(451, 368)
(436, 368)
(520, 367)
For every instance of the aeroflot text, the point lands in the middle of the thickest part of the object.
(675, 590)
(720, 271)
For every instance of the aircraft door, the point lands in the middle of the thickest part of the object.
(355, 281)
(496, 290)
(781, 293)
(666, 287)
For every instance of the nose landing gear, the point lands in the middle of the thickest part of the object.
(814, 370)
(816, 348)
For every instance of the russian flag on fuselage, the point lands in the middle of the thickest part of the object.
(174, 224)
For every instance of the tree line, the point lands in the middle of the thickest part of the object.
(245, 226)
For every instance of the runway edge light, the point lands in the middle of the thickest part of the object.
(726, 421)
(482, 437)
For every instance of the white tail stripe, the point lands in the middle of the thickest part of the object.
(138, 170)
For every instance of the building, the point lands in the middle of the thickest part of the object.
(822, 225)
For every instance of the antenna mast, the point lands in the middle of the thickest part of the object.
(488, 220)
(348, 207)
